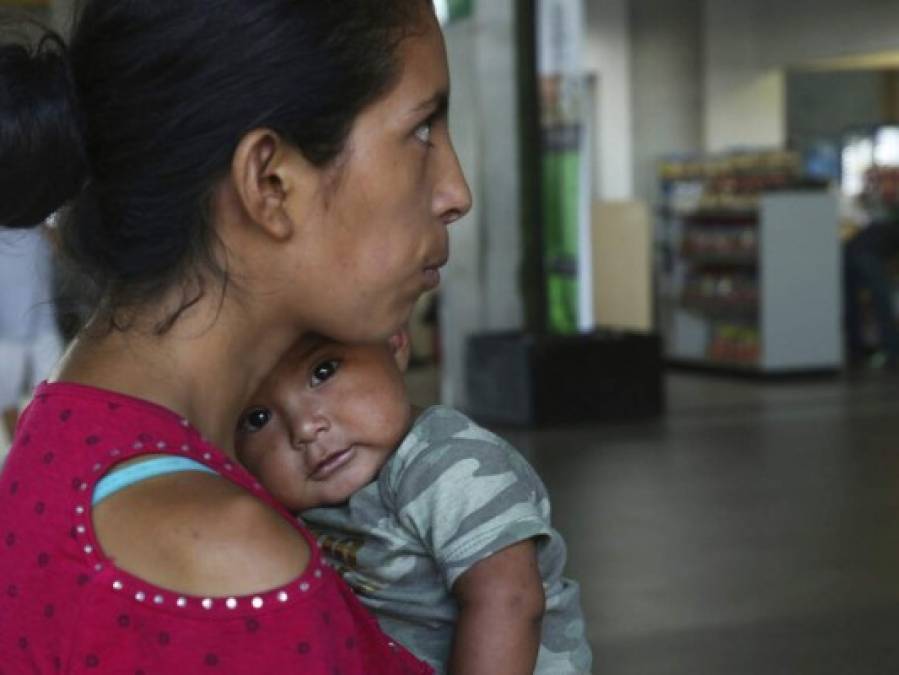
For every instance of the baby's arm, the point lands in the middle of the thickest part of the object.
(501, 605)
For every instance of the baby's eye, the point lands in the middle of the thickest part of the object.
(423, 132)
(323, 371)
(254, 419)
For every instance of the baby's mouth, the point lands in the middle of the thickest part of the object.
(332, 463)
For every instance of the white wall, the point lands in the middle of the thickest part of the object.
(748, 45)
(608, 55)
(666, 57)
(744, 94)
(797, 31)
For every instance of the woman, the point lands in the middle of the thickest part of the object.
(240, 172)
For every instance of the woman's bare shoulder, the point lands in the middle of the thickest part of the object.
(199, 534)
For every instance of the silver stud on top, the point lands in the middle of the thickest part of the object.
(231, 603)
(207, 456)
(161, 445)
(158, 599)
(185, 423)
(229, 467)
(140, 596)
(304, 587)
(257, 603)
(318, 574)
(79, 510)
(138, 445)
(181, 602)
(81, 529)
(97, 467)
(117, 585)
(185, 448)
(98, 567)
(88, 549)
(207, 603)
(282, 596)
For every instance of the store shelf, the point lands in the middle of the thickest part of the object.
(723, 217)
(762, 285)
(721, 259)
(721, 308)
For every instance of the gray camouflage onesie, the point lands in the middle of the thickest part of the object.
(451, 495)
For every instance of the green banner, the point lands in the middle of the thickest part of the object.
(561, 192)
(560, 27)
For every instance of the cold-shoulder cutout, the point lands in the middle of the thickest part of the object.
(201, 535)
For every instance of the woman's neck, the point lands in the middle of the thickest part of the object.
(204, 368)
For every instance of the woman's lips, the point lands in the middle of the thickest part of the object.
(332, 463)
(432, 271)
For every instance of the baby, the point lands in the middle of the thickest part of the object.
(440, 527)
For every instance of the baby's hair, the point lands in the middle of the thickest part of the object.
(133, 123)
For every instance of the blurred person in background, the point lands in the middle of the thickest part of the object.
(868, 267)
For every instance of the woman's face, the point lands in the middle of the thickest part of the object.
(377, 236)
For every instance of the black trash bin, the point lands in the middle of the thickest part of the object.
(523, 379)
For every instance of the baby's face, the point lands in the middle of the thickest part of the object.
(324, 422)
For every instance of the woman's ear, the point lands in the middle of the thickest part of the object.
(265, 171)
(401, 347)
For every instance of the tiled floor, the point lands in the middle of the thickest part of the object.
(754, 529)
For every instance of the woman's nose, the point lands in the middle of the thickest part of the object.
(453, 196)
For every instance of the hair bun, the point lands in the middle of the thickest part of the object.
(42, 155)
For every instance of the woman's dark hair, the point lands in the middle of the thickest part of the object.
(134, 123)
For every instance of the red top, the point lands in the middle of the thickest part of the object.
(66, 608)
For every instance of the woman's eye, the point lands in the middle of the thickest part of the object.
(423, 132)
(253, 420)
(323, 371)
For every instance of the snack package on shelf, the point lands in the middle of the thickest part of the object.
(733, 343)
(722, 292)
(720, 244)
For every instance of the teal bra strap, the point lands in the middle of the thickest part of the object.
(159, 466)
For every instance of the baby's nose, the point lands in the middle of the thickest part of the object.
(310, 426)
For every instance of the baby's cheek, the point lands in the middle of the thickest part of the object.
(243, 447)
(251, 456)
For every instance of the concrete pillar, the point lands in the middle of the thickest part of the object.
(481, 286)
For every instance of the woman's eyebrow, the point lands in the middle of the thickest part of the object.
(439, 102)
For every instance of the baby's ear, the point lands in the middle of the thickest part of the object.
(401, 347)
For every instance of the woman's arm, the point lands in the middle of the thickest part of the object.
(199, 534)
(501, 605)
